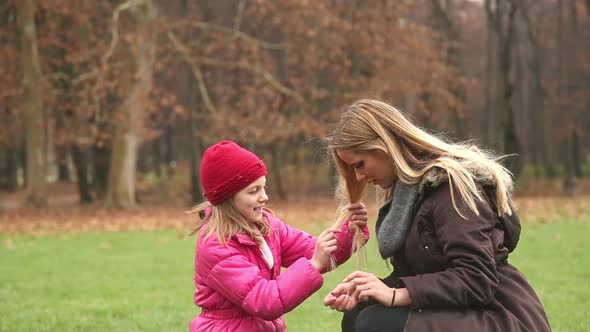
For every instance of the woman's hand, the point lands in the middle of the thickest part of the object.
(341, 298)
(358, 215)
(367, 285)
(326, 245)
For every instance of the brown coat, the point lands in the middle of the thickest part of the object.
(457, 270)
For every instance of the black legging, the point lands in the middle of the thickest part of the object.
(370, 317)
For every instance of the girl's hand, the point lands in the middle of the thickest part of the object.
(341, 298)
(358, 215)
(325, 246)
(367, 285)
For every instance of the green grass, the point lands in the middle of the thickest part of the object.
(141, 281)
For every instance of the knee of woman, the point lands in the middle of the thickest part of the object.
(348, 321)
(364, 321)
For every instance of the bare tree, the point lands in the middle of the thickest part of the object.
(502, 16)
(123, 167)
(442, 13)
(35, 135)
(537, 112)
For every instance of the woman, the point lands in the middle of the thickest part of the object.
(447, 226)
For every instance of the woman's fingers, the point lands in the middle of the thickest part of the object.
(329, 299)
(359, 212)
(356, 206)
(363, 280)
(356, 274)
(350, 303)
(365, 295)
(338, 302)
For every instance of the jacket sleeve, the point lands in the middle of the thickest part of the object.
(295, 243)
(345, 242)
(470, 278)
(239, 281)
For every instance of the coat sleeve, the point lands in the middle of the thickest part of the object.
(296, 243)
(240, 281)
(345, 242)
(470, 278)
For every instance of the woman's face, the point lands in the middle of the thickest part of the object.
(374, 166)
(250, 200)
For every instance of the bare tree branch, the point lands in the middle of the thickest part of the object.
(113, 44)
(95, 72)
(253, 68)
(115, 27)
(238, 18)
(231, 32)
(196, 71)
(195, 61)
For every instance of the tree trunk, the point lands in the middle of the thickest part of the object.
(576, 160)
(80, 159)
(443, 21)
(538, 96)
(32, 105)
(101, 158)
(157, 157)
(502, 19)
(123, 167)
(8, 169)
(63, 173)
(195, 150)
(169, 155)
(276, 169)
(511, 142)
(488, 119)
(122, 170)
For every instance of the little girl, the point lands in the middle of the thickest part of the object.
(242, 246)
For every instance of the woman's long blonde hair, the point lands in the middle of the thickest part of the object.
(371, 124)
(225, 221)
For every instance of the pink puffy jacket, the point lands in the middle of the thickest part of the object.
(237, 290)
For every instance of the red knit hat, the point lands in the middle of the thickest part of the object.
(227, 168)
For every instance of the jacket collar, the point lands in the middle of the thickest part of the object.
(245, 239)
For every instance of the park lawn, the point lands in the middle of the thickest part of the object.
(142, 281)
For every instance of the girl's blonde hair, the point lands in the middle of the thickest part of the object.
(225, 221)
(371, 124)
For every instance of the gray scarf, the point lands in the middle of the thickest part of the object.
(395, 218)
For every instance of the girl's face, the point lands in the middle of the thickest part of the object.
(374, 166)
(250, 200)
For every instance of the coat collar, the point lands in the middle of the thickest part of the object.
(245, 239)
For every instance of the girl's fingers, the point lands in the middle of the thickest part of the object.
(329, 232)
(331, 243)
(331, 250)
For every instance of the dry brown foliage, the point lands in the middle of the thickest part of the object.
(299, 213)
